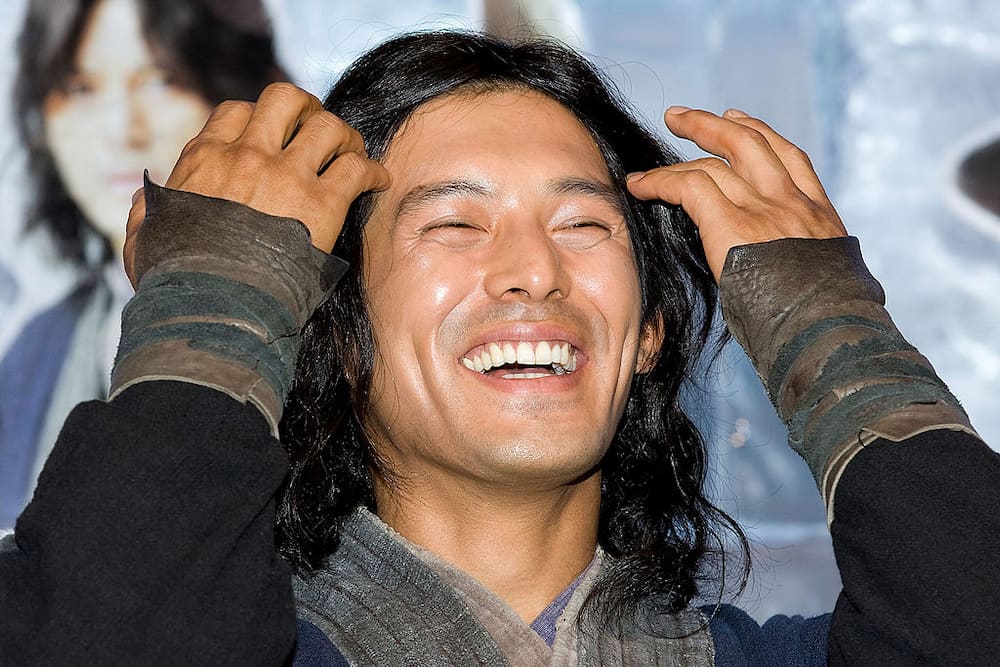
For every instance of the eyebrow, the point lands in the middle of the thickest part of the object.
(589, 188)
(423, 195)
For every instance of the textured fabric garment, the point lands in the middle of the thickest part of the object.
(171, 530)
(544, 624)
(812, 319)
(223, 293)
(379, 602)
(52, 365)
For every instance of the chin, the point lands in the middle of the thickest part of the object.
(548, 462)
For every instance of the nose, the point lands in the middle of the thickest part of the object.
(137, 130)
(525, 264)
(124, 119)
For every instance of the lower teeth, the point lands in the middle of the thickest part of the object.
(556, 370)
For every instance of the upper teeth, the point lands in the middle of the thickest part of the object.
(560, 355)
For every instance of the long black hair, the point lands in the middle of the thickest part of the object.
(655, 520)
(209, 49)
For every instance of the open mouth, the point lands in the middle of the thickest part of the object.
(522, 360)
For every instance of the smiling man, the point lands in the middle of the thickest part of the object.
(487, 461)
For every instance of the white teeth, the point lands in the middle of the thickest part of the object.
(496, 354)
(543, 353)
(525, 353)
(509, 354)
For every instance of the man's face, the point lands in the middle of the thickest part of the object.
(503, 295)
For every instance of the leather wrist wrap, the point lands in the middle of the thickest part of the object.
(811, 318)
(223, 293)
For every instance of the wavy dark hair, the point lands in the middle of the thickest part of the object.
(218, 52)
(655, 519)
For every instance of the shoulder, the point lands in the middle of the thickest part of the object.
(781, 640)
(51, 327)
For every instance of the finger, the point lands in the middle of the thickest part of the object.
(729, 182)
(136, 215)
(743, 147)
(348, 176)
(720, 225)
(278, 113)
(227, 121)
(322, 137)
(694, 190)
(795, 160)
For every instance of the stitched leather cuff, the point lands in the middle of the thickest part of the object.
(224, 291)
(812, 320)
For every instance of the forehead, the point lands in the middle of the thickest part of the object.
(512, 135)
(112, 37)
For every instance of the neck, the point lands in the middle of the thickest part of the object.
(525, 547)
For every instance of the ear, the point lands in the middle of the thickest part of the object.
(650, 341)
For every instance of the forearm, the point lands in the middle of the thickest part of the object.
(812, 320)
(150, 540)
(911, 490)
(223, 293)
(916, 534)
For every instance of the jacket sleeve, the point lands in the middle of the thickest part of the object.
(150, 540)
(911, 490)
(916, 536)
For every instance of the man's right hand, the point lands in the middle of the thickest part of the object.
(284, 156)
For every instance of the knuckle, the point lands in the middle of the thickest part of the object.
(797, 153)
(333, 123)
(714, 164)
(352, 165)
(283, 90)
(750, 139)
(701, 178)
(194, 149)
(229, 106)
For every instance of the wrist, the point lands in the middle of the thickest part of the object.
(223, 292)
(812, 320)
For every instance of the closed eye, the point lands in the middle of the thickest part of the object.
(582, 234)
(454, 233)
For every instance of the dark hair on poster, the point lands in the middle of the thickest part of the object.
(217, 50)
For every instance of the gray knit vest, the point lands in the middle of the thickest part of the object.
(384, 601)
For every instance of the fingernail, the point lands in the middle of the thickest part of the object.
(676, 109)
(135, 195)
(635, 176)
(736, 113)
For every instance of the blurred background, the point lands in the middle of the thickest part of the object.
(896, 101)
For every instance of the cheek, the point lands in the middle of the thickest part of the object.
(611, 282)
(176, 112)
(174, 119)
(67, 141)
(410, 303)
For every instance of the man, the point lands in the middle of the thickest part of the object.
(488, 462)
